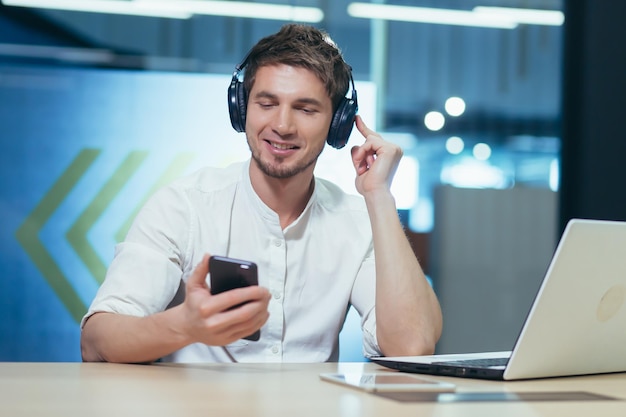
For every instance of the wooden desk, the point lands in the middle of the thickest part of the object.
(273, 390)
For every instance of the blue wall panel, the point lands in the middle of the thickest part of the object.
(80, 151)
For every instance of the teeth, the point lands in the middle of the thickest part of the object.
(279, 146)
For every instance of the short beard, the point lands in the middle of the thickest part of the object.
(278, 171)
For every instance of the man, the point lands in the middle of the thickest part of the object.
(318, 250)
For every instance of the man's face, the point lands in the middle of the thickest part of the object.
(289, 114)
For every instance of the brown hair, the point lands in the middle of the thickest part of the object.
(302, 46)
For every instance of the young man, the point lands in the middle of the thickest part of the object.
(318, 250)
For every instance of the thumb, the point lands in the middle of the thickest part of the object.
(199, 274)
(359, 159)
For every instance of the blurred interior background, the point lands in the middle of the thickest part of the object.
(507, 111)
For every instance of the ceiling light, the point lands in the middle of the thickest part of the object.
(455, 145)
(434, 120)
(455, 106)
(430, 15)
(525, 16)
(241, 9)
(181, 9)
(482, 151)
(102, 6)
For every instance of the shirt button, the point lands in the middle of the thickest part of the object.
(278, 243)
(277, 295)
(274, 349)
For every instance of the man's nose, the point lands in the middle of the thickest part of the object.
(284, 122)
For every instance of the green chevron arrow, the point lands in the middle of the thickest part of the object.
(28, 233)
(174, 170)
(77, 234)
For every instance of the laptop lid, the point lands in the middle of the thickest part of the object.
(577, 321)
(577, 324)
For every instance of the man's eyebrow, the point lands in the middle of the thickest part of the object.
(303, 100)
(265, 94)
(309, 100)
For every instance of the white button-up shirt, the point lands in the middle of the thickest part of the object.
(315, 268)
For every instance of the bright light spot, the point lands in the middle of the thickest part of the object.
(455, 106)
(455, 145)
(554, 175)
(524, 16)
(422, 216)
(434, 120)
(405, 183)
(481, 151)
(474, 174)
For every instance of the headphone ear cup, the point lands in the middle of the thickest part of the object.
(341, 125)
(237, 103)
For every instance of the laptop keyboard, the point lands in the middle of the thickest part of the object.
(477, 363)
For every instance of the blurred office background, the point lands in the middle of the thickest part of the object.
(510, 122)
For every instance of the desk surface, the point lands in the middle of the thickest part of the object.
(276, 390)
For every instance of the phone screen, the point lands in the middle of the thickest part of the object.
(228, 274)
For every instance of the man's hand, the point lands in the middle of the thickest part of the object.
(208, 319)
(375, 161)
(201, 318)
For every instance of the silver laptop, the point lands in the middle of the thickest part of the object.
(576, 325)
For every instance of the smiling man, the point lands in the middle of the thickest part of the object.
(318, 250)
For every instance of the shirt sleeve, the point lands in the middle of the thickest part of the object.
(364, 300)
(148, 266)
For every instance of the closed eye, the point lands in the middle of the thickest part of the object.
(308, 110)
(266, 105)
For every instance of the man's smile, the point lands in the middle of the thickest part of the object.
(281, 146)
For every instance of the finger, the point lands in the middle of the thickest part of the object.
(356, 154)
(249, 328)
(362, 127)
(228, 299)
(248, 318)
(359, 159)
(255, 313)
(198, 276)
(240, 322)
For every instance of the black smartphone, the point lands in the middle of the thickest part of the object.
(228, 274)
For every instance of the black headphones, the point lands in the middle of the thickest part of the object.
(340, 126)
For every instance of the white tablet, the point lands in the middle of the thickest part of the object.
(387, 382)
